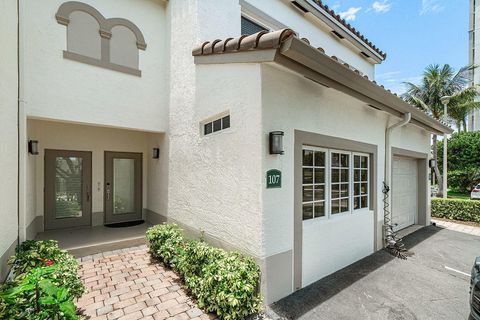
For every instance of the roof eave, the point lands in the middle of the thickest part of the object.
(334, 24)
(343, 79)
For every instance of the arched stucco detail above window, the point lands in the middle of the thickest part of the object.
(118, 39)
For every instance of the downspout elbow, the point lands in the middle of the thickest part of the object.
(407, 117)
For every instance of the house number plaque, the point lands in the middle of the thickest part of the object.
(274, 179)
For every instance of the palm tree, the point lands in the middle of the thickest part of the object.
(461, 106)
(437, 82)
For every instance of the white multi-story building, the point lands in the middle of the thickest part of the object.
(474, 58)
(89, 90)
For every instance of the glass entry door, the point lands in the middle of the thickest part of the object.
(68, 177)
(123, 187)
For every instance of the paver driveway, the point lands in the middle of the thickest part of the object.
(126, 284)
(381, 287)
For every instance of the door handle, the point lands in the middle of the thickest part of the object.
(88, 193)
(108, 191)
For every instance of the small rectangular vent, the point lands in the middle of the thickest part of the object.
(299, 7)
(365, 55)
(338, 35)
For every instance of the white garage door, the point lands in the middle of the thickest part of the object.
(404, 192)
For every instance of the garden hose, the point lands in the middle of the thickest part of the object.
(393, 244)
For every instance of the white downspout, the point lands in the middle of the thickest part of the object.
(388, 150)
(388, 175)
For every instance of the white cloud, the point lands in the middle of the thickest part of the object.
(381, 6)
(430, 6)
(350, 14)
(394, 80)
(336, 6)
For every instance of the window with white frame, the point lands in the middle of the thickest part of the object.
(340, 182)
(212, 126)
(360, 181)
(313, 183)
(333, 182)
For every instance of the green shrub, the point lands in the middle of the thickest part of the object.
(44, 285)
(457, 209)
(165, 242)
(32, 254)
(226, 283)
(38, 297)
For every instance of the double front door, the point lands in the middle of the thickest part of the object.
(68, 188)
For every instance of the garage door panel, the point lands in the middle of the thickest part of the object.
(404, 192)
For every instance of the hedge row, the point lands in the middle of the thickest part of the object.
(226, 283)
(457, 209)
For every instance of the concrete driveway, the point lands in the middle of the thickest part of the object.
(385, 288)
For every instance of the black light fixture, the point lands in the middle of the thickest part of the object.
(33, 147)
(156, 153)
(432, 163)
(276, 142)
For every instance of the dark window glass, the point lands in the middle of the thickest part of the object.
(249, 27)
(307, 211)
(308, 158)
(208, 128)
(217, 125)
(307, 193)
(226, 122)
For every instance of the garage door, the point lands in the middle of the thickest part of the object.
(404, 192)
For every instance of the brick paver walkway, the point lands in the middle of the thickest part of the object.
(451, 225)
(126, 285)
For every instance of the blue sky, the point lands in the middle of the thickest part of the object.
(413, 33)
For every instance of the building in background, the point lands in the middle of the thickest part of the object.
(474, 58)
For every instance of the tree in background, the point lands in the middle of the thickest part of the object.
(463, 160)
(437, 82)
(461, 106)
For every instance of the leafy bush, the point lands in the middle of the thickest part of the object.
(457, 209)
(44, 285)
(165, 242)
(32, 254)
(37, 296)
(463, 160)
(226, 283)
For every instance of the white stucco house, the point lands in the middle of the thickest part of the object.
(275, 142)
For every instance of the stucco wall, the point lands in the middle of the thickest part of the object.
(62, 89)
(318, 35)
(291, 102)
(97, 140)
(214, 181)
(8, 129)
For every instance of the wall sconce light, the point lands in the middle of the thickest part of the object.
(276, 142)
(156, 153)
(33, 147)
(432, 163)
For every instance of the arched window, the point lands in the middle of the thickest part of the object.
(91, 38)
(123, 47)
(83, 35)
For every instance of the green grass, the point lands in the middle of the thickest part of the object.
(458, 195)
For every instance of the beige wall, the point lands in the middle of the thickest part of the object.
(8, 130)
(69, 136)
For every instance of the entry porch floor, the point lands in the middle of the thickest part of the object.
(85, 241)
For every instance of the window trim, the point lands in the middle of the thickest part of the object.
(105, 33)
(328, 182)
(350, 182)
(326, 200)
(368, 180)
